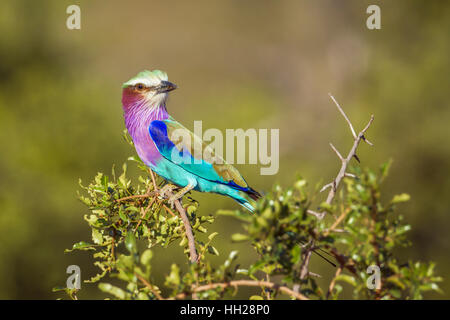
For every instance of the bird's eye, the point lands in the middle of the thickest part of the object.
(140, 86)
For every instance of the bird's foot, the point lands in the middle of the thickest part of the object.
(172, 200)
(166, 190)
(180, 194)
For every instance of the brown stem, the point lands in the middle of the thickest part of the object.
(245, 283)
(136, 196)
(188, 229)
(149, 286)
(333, 282)
(187, 225)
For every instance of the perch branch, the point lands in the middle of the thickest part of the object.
(184, 217)
(188, 229)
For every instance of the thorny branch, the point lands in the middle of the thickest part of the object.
(333, 185)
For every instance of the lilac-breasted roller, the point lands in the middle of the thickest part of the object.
(169, 149)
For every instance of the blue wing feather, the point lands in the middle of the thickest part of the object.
(159, 133)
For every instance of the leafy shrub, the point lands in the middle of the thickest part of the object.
(358, 233)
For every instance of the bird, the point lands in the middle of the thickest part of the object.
(161, 141)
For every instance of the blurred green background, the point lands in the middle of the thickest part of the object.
(238, 64)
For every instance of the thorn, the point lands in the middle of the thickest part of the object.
(366, 141)
(356, 157)
(325, 187)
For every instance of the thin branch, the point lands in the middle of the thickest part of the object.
(336, 223)
(245, 283)
(153, 179)
(149, 286)
(188, 230)
(325, 187)
(345, 116)
(168, 210)
(333, 282)
(306, 257)
(318, 215)
(351, 154)
(333, 186)
(144, 213)
(184, 217)
(136, 196)
(337, 152)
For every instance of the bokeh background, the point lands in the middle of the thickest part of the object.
(238, 64)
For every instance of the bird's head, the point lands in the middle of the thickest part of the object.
(149, 88)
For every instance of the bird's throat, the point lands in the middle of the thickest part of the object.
(139, 113)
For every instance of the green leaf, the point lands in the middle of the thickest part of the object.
(146, 256)
(300, 184)
(97, 236)
(238, 237)
(212, 235)
(130, 242)
(82, 245)
(235, 214)
(174, 276)
(404, 197)
(113, 290)
(255, 297)
(213, 250)
(346, 278)
(123, 216)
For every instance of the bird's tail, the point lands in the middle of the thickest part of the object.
(253, 194)
(248, 198)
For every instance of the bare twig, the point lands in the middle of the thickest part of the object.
(318, 215)
(333, 282)
(149, 286)
(144, 213)
(136, 196)
(337, 152)
(345, 116)
(168, 210)
(306, 257)
(333, 186)
(345, 161)
(336, 223)
(245, 283)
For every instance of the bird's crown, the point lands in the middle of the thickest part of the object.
(148, 78)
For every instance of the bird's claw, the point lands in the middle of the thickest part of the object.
(166, 190)
(172, 200)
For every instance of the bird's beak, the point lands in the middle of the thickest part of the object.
(166, 86)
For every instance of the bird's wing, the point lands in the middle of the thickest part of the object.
(180, 146)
